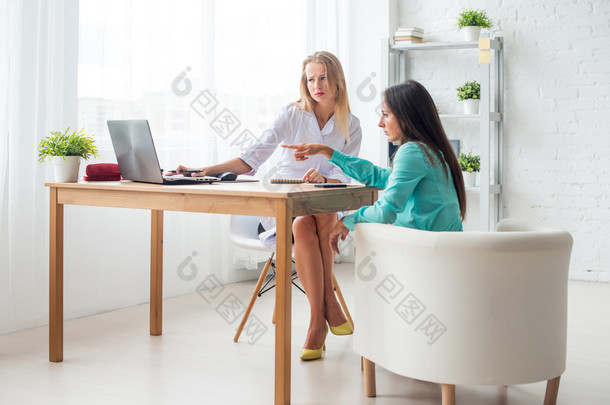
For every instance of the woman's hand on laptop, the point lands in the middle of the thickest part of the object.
(186, 171)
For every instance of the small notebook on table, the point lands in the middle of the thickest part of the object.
(286, 181)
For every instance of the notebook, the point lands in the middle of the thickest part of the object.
(137, 158)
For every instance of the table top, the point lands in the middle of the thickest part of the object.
(223, 198)
(249, 189)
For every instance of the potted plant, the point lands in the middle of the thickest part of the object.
(470, 94)
(471, 21)
(65, 151)
(470, 166)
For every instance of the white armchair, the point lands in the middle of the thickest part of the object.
(463, 308)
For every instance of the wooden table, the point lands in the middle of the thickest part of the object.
(281, 201)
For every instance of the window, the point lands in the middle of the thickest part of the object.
(182, 64)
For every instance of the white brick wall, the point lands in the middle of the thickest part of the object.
(557, 109)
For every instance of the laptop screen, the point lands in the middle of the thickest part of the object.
(135, 150)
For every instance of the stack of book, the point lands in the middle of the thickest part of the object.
(409, 35)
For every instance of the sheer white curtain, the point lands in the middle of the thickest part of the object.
(38, 59)
(184, 65)
(130, 54)
(180, 65)
(328, 28)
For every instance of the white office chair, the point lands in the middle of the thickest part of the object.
(472, 308)
(244, 233)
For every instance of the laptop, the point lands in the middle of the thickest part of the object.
(137, 158)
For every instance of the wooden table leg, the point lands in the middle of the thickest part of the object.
(156, 272)
(283, 302)
(56, 279)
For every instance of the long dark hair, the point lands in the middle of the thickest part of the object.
(419, 122)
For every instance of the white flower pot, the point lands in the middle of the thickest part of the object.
(471, 106)
(470, 178)
(66, 171)
(471, 33)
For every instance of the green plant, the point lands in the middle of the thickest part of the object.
(78, 143)
(469, 163)
(469, 90)
(477, 18)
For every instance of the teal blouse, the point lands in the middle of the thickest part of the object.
(416, 192)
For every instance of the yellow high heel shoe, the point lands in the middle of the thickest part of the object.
(314, 354)
(343, 329)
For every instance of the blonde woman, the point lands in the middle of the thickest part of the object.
(322, 115)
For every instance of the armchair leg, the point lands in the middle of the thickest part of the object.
(370, 389)
(257, 289)
(552, 388)
(448, 397)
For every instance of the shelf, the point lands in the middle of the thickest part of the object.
(490, 71)
(431, 46)
(493, 188)
(493, 116)
(459, 116)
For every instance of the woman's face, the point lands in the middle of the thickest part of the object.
(317, 82)
(389, 124)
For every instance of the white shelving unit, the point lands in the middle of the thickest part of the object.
(490, 112)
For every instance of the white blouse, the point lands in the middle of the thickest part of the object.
(294, 126)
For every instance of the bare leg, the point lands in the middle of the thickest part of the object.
(309, 265)
(333, 312)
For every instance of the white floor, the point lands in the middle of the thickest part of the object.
(111, 359)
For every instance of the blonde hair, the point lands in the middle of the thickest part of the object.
(337, 87)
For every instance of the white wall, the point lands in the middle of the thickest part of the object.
(557, 110)
(366, 73)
